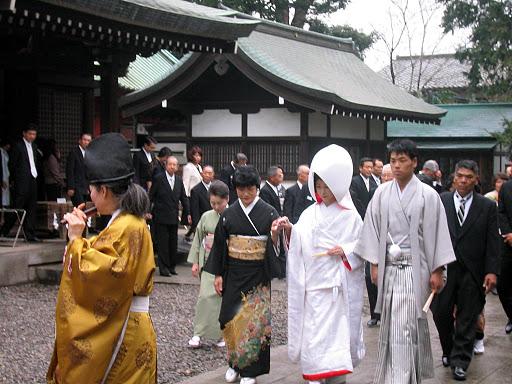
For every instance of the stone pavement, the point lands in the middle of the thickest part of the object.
(494, 366)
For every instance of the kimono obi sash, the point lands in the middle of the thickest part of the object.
(247, 247)
(404, 259)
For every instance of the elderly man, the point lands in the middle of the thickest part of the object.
(387, 173)
(273, 191)
(167, 191)
(377, 171)
(427, 174)
(297, 197)
(473, 226)
(199, 200)
(77, 185)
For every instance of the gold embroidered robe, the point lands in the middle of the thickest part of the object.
(99, 279)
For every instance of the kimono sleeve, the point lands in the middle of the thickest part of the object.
(436, 235)
(296, 277)
(219, 252)
(193, 254)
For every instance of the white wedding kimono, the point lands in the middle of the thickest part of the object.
(325, 299)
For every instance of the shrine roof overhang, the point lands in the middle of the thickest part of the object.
(308, 69)
(149, 25)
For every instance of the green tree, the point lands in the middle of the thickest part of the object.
(490, 51)
(361, 40)
(281, 10)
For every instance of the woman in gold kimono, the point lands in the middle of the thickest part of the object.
(104, 333)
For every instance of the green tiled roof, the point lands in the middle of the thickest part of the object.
(145, 71)
(461, 121)
(336, 75)
(174, 16)
(319, 72)
(457, 144)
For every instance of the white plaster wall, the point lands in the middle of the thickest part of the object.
(377, 130)
(348, 127)
(273, 122)
(216, 123)
(317, 124)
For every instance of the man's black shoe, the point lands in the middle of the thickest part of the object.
(459, 374)
(164, 272)
(508, 327)
(34, 240)
(373, 323)
(173, 272)
(446, 361)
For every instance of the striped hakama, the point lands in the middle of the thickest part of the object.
(405, 354)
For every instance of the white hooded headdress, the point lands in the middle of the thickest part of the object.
(333, 165)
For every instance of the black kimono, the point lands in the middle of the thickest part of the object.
(245, 311)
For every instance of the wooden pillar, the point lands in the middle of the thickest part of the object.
(243, 144)
(109, 94)
(304, 143)
(88, 111)
(368, 142)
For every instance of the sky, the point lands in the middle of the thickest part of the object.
(384, 17)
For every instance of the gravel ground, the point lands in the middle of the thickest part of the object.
(27, 331)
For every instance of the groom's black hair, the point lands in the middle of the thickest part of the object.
(403, 146)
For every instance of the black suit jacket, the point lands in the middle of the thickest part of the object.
(75, 172)
(269, 196)
(360, 195)
(226, 176)
(143, 168)
(477, 243)
(166, 201)
(199, 203)
(505, 214)
(19, 167)
(296, 201)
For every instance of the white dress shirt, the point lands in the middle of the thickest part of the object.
(207, 186)
(366, 182)
(148, 155)
(31, 160)
(467, 205)
(82, 150)
(170, 179)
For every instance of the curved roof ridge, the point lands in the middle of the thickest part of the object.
(295, 33)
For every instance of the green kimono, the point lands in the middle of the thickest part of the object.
(206, 321)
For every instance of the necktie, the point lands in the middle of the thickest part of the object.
(461, 211)
(171, 181)
(33, 169)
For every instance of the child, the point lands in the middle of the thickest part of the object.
(325, 280)
(206, 321)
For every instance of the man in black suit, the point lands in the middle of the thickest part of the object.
(226, 175)
(161, 159)
(505, 223)
(23, 172)
(362, 188)
(166, 192)
(473, 223)
(273, 192)
(199, 199)
(427, 174)
(77, 184)
(297, 197)
(143, 163)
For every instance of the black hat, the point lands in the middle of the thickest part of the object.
(108, 159)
